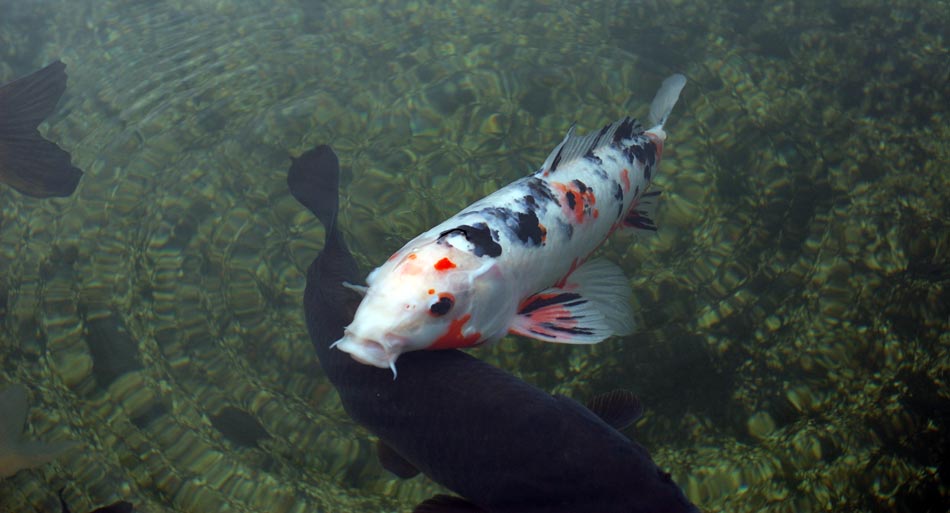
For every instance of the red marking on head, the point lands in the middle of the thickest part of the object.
(625, 178)
(453, 338)
(444, 265)
(431, 291)
(412, 256)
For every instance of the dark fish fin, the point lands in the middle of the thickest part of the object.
(619, 408)
(314, 180)
(28, 162)
(447, 504)
(394, 462)
(118, 507)
(641, 216)
(574, 147)
(28, 101)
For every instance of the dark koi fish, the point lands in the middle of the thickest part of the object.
(503, 445)
(28, 162)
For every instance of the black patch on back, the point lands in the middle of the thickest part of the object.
(571, 200)
(540, 190)
(618, 193)
(650, 150)
(525, 226)
(625, 130)
(481, 238)
(593, 158)
(581, 186)
(635, 154)
(646, 173)
(529, 229)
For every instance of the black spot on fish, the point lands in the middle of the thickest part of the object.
(581, 186)
(571, 200)
(625, 130)
(618, 192)
(634, 154)
(529, 229)
(593, 158)
(480, 236)
(525, 226)
(650, 150)
(646, 173)
(540, 190)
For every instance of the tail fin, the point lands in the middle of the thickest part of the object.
(314, 179)
(665, 99)
(28, 162)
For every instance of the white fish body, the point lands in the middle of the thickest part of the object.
(515, 261)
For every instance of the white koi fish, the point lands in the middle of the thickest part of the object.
(516, 261)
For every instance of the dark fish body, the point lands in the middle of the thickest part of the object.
(502, 444)
(28, 162)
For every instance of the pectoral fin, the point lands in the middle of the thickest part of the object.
(619, 408)
(394, 462)
(591, 305)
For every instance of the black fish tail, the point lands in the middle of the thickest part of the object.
(28, 162)
(314, 180)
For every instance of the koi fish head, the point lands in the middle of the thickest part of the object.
(424, 297)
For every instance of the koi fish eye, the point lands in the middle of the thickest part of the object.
(442, 305)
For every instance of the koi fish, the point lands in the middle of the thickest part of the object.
(517, 449)
(28, 162)
(516, 261)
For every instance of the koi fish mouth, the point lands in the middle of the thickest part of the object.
(369, 352)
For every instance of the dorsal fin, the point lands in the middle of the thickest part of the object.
(577, 146)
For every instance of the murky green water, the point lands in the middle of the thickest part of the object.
(793, 352)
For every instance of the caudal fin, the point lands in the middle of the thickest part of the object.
(314, 179)
(665, 99)
(28, 162)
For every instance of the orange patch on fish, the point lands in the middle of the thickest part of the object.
(625, 178)
(581, 204)
(453, 337)
(444, 265)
